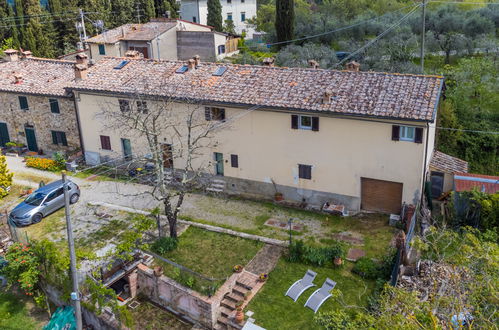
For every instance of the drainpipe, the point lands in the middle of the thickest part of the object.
(425, 160)
(78, 123)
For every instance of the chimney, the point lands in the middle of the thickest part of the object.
(18, 78)
(133, 54)
(326, 97)
(197, 60)
(11, 55)
(352, 66)
(191, 64)
(82, 58)
(26, 54)
(313, 64)
(81, 71)
(268, 61)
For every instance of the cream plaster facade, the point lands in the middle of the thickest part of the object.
(343, 151)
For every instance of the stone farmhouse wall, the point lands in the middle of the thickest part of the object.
(42, 119)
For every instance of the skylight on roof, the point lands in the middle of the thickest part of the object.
(121, 65)
(220, 71)
(182, 69)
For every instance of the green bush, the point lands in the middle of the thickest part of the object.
(299, 252)
(367, 268)
(164, 245)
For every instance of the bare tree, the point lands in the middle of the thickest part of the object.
(178, 138)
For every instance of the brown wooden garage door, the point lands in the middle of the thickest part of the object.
(381, 196)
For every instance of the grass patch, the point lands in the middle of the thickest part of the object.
(13, 197)
(275, 311)
(32, 177)
(51, 225)
(18, 312)
(149, 317)
(210, 254)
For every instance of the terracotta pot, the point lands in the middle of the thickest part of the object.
(338, 261)
(158, 271)
(278, 197)
(239, 315)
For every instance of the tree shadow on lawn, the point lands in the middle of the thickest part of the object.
(273, 310)
(20, 312)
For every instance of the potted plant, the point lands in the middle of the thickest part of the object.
(237, 268)
(247, 294)
(239, 315)
(338, 261)
(263, 277)
(278, 196)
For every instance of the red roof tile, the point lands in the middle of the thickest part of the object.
(468, 181)
(370, 94)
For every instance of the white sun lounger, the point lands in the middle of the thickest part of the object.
(320, 295)
(300, 286)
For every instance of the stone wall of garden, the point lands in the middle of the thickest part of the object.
(178, 299)
(41, 119)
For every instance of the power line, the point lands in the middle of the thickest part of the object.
(381, 35)
(13, 18)
(338, 29)
(41, 22)
(467, 130)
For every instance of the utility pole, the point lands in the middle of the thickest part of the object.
(138, 12)
(75, 295)
(423, 31)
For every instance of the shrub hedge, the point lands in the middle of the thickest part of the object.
(299, 252)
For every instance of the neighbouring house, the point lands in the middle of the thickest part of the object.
(161, 38)
(361, 139)
(36, 109)
(467, 181)
(443, 168)
(237, 11)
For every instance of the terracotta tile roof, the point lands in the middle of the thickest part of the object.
(143, 32)
(39, 76)
(374, 94)
(468, 181)
(447, 163)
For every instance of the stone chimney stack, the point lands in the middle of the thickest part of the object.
(18, 78)
(197, 60)
(82, 59)
(313, 64)
(268, 61)
(26, 54)
(326, 97)
(11, 55)
(81, 71)
(352, 66)
(191, 64)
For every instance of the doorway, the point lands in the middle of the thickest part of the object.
(219, 163)
(31, 139)
(4, 134)
(437, 184)
(127, 148)
(167, 155)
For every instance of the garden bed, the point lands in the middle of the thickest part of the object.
(210, 254)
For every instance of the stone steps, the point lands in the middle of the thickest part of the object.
(240, 290)
(225, 312)
(229, 304)
(234, 297)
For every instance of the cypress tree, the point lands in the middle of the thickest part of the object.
(284, 20)
(39, 34)
(149, 10)
(215, 15)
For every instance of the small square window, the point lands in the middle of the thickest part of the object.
(142, 106)
(407, 133)
(243, 16)
(305, 122)
(105, 142)
(229, 1)
(234, 161)
(229, 16)
(213, 113)
(59, 138)
(305, 171)
(23, 103)
(54, 106)
(221, 49)
(194, 19)
(102, 49)
(124, 105)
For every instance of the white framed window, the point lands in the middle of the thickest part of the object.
(305, 122)
(229, 16)
(243, 16)
(407, 133)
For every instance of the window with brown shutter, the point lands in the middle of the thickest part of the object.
(305, 171)
(395, 132)
(234, 161)
(124, 105)
(105, 142)
(294, 121)
(315, 124)
(419, 135)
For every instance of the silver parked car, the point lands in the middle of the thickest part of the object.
(43, 202)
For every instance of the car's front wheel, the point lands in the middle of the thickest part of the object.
(36, 218)
(74, 198)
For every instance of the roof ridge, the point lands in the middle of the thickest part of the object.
(50, 60)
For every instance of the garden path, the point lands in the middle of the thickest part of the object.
(265, 260)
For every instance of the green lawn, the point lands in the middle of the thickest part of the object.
(18, 312)
(149, 317)
(210, 254)
(275, 311)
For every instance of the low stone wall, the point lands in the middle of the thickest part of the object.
(178, 299)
